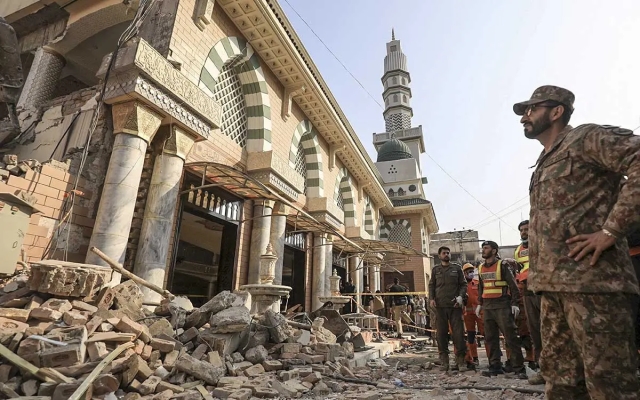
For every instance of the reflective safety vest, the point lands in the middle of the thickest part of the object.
(493, 286)
(522, 256)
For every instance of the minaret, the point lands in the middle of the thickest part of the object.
(397, 93)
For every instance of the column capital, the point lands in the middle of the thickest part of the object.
(135, 119)
(280, 209)
(178, 143)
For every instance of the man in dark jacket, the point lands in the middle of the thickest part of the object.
(447, 288)
(400, 304)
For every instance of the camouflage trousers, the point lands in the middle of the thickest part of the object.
(587, 347)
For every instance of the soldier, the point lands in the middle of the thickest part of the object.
(498, 296)
(447, 288)
(579, 258)
(472, 323)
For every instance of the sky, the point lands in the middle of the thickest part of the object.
(469, 62)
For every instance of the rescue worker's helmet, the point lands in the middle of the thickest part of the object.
(467, 266)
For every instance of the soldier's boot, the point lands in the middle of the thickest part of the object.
(536, 379)
(444, 362)
(461, 363)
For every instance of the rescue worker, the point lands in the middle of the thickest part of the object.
(498, 298)
(521, 319)
(400, 304)
(472, 323)
(579, 258)
(447, 288)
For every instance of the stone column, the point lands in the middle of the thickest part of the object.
(260, 236)
(159, 213)
(134, 126)
(319, 266)
(328, 268)
(377, 280)
(355, 275)
(276, 238)
(42, 80)
(372, 278)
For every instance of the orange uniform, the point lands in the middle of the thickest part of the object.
(472, 323)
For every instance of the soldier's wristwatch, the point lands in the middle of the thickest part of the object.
(606, 232)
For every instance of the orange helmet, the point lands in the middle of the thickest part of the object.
(467, 266)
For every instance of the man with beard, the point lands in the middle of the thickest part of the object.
(447, 288)
(579, 258)
(498, 296)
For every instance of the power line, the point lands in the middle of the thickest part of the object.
(334, 56)
(380, 105)
(500, 211)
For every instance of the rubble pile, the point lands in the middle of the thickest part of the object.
(62, 330)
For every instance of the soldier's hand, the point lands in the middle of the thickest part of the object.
(478, 308)
(595, 243)
(432, 303)
(515, 310)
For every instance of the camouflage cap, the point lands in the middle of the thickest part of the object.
(546, 93)
(491, 244)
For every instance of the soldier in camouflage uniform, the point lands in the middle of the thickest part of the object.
(579, 258)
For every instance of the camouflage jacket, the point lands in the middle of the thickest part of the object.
(575, 189)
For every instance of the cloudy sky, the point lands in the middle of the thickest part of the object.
(469, 62)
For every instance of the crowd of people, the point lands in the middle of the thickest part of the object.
(570, 294)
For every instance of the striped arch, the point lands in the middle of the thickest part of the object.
(344, 186)
(306, 134)
(368, 216)
(234, 52)
(397, 227)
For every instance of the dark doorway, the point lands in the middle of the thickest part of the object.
(293, 268)
(206, 243)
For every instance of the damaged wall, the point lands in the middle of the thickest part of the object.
(57, 140)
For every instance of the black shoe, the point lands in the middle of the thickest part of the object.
(492, 371)
(521, 375)
(507, 367)
(471, 366)
(454, 367)
(476, 361)
(533, 365)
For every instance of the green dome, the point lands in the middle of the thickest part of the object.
(393, 150)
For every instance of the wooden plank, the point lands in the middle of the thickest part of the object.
(77, 395)
(111, 337)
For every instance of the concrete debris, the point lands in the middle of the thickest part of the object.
(215, 351)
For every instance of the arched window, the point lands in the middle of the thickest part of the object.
(228, 93)
(404, 98)
(395, 98)
(404, 80)
(401, 192)
(301, 165)
(395, 80)
(400, 234)
(391, 193)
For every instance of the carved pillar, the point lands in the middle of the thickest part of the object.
(355, 275)
(159, 213)
(42, 79)
(278, 227)
(260, 235)
(319, 266)
(134, 126)
(328, 269)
